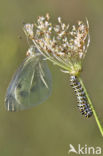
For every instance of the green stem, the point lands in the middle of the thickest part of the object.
(91, 105)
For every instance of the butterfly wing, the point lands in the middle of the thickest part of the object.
(31, 85)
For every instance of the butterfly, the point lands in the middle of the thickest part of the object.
(31, 84)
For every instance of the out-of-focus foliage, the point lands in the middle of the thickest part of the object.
(48, 129)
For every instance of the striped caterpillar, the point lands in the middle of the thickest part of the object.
(82, 101)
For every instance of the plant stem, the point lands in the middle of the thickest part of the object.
(92, 107)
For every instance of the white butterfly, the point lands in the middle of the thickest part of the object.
(31, 84)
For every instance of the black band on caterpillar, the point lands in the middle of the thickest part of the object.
(81, 97)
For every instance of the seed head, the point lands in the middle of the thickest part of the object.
(64, 46)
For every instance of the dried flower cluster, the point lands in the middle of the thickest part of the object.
(62, 46)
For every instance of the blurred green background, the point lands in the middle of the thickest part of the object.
(48, 129)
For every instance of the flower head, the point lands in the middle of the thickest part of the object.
(64, 46)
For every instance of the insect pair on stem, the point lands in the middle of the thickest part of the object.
(63, 46)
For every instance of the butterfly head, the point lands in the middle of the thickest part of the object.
(32, 51)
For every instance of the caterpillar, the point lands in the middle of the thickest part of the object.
(82, 101)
